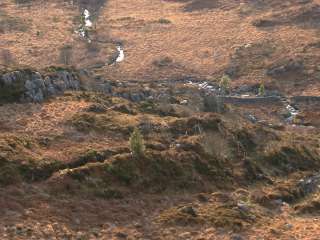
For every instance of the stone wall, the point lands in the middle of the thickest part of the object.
(305, 99)
(251, 100)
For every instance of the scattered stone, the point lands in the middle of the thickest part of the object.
(184, 102)
(252, 118)
(289, 67)
(288, 226)
(309, 185)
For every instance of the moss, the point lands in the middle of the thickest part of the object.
(175, 216)
(246, 139)
(53, 69)
(94, 97)
(213, 169)
(12, 93)
(18, 155)
(29, 171)
(90, 155)
(164, 21)
(230, 216)
(163, 173)
(40, 169)
(226, 215)
(192, 124)
(124, 169)
(147, 107)
(290, 158)
(154, 172)
(86, 122)
(9, 174)
(108, 193)
(309, 206)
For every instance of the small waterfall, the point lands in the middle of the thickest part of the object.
(86, 24)
(293, 113)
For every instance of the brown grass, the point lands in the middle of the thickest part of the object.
(199, 42)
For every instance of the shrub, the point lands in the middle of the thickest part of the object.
(136, 143)
(164, 21)
(261, 90)
(163, 62)
(224, 83)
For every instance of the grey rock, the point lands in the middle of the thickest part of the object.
(243, 206)
(189, 210)
(291, 66)
(252, 118)
(309, 185)
(33, 87)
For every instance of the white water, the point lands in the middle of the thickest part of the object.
(83, 28)
(204, 85)
(87, 20)
(293, 112)
(211, 90)
(120, 57)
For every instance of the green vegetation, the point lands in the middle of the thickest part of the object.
(164, 21)
(137, 144)
(18, 161)
(224, 84)
(261, 90)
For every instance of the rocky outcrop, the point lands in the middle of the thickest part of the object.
(31, 86)
(285, 68)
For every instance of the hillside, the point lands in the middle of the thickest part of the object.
(224, 94)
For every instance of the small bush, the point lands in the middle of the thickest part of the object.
(261, 90)
(224, 84)
(163, 62)
(137, 143)
(164, 21)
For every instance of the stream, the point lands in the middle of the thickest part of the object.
(84, 27)
(211, 89)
